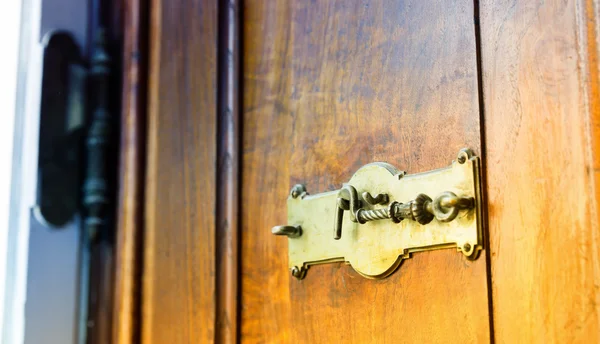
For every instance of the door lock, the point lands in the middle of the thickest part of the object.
(422, 209)
(416, 222)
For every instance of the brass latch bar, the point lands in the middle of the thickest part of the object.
(422, 209)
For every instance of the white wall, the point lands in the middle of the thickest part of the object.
(9, 41)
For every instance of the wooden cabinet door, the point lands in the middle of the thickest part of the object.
(326, 87)
(240, 110)
(329, 86)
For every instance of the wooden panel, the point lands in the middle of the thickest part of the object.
(540, 73)
(128, 253)
(330, 86)
(179, 266)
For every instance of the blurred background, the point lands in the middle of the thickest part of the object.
(38, 262)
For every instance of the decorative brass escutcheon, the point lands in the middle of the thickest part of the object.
(383, 215)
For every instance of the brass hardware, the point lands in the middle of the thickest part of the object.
(384, 229)
(422, 209)
(298, 273)
(298, 190)
(289, 231)
(379, 199)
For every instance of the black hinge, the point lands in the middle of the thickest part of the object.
(76, 163)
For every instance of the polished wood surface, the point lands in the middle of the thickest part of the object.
(328, 87)
(129, 229)
(227, 211)
(540, 87)
(179, 244)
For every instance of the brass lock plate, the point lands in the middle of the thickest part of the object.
(378, 232)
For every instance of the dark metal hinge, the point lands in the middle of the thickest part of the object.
(76, 164)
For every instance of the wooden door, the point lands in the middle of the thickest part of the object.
(330, 86)
(322, 88)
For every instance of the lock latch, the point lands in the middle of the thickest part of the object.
(389, 216)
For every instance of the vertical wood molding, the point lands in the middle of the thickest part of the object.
(128, 260)
(179, 276)
(588, 15)
(540, 83)
(589, 51)
(228, 141)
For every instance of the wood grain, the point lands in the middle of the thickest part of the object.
(540, 82)
(179, 248)
(228, 123)
(101, 293)
(330, 86)
(129, 229)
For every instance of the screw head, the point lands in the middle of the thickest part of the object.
(298, 190)
(467, 247)
(464, 155)
(298, 273)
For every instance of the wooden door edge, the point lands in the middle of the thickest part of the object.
(484, 185)
(588, 17)
(130, 211)
(542, 131)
